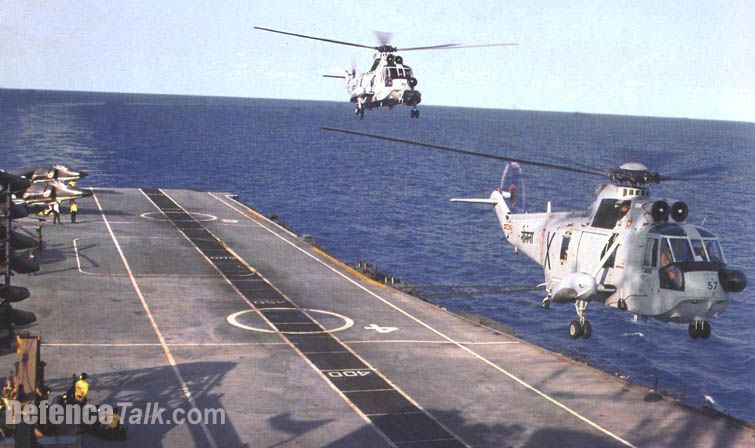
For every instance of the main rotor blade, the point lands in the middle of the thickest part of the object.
(431, 47)
(699, 174)
(468, 152)
(371, 47)
(455, 46)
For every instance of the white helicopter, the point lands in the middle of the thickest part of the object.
(389, 82)
(629, 251)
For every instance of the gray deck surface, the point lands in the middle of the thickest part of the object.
(138, 294)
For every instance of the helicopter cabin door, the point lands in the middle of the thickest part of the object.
(590, 247)
(650, 266)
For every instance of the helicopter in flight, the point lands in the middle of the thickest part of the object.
(389, 82)
(630, 250)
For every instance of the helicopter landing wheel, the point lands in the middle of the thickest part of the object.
(546, 303)
(692, 330)
(414, 113)
(580, 327)
(705, 330)
(586, 330)
(622, 305)
(699, 329)
(359, 111)
(575, 329)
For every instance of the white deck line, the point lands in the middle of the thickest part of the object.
(155, 328)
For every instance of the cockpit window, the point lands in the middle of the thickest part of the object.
(668, 229)
(714, 251)
(678, 255)
(682, 250)
(651, 253)
(666, 257)
(397, 73)
(607, 214)
(698, 250)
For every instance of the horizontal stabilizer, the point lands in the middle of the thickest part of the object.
(476, 201)
(334, 76)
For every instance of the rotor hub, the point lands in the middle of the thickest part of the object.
(386, 49)
(634, 173)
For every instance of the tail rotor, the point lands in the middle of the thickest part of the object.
(512, 182)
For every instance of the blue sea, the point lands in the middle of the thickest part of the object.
(388, 203)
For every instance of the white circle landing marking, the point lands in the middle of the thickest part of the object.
(232, 319)
(202, 217)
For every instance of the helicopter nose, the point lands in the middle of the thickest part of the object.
(732, 280)
(412, 97)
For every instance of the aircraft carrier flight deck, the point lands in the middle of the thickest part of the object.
(193, 300)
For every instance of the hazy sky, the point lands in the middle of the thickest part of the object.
(686, 58)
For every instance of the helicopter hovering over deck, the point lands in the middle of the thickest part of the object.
(630, 250)
(389, 82)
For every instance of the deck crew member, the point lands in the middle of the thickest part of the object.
(74, 210)
(81, 389)
(56, 213)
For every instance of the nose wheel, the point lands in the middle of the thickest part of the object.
(414, 113)
(699, 329)
(359, 110)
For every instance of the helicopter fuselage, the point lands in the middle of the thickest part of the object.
(619, 254)
(389, 83)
